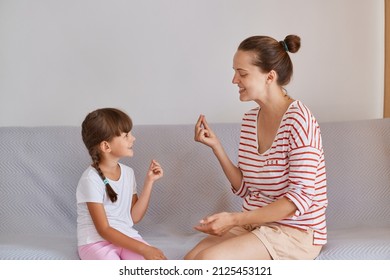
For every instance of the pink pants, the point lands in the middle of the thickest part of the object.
(104, 250)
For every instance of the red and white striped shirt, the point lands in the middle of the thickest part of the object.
(293, 167)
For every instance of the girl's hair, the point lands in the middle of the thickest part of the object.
(103, 125)
(273, 55)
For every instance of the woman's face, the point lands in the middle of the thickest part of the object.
(248, 77)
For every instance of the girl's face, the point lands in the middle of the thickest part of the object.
(122, 146)
(248, 77)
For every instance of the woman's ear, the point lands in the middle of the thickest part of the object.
(272, 77)
(105, 147)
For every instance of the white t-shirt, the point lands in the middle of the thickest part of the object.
(92, 189)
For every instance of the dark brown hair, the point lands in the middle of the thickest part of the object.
(269, 54)
(103, 125)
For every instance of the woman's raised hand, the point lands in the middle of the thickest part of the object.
(204, 134)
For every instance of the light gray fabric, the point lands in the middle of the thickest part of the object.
(40, 168)
(357, 156)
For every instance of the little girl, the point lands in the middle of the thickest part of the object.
(107, 201)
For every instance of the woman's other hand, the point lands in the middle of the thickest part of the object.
(217, 224)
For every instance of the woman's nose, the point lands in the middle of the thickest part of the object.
(235, 80)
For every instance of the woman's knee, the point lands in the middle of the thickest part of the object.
(208, 254)
(189, 256)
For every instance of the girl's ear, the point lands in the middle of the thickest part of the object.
(105, 147)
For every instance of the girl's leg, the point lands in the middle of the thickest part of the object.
(130, 255)
(99, 251)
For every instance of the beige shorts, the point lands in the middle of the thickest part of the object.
(283, 242)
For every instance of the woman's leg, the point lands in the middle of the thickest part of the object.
(243, 247)
(208, 242)
(238, 243)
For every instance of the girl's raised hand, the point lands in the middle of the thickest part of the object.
(204, 134)
(155, 171)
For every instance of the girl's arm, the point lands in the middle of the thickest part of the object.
(205, 135)
(99, 218)
(220, 223)
(140, 204)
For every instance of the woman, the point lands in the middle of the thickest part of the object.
(281, 168)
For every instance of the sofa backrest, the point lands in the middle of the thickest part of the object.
(193, 185)
(357, 155)
(40, 168)
(39, 171)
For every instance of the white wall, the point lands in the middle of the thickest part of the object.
(165, 62)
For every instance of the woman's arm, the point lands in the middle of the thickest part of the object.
(278, 210)
(99, 218)
(205, 135)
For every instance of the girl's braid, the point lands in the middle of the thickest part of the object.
(110, 192)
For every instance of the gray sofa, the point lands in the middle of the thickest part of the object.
(40, 168)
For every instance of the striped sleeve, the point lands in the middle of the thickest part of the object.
(305, 157)
(303, 168)
(248, 141)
